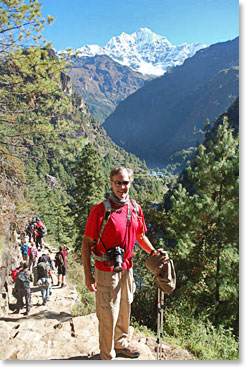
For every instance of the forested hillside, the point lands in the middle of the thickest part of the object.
(103, 83)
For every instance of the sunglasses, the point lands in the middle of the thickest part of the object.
(119, 183)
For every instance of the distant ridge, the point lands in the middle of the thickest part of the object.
(143, 51)
(159, 119)
(103, 83)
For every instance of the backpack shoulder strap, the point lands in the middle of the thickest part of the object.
(136, 209)
(135, 205)
(107, 213)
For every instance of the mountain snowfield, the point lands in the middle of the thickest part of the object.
(143, 51)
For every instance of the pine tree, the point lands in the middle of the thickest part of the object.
(206, 225)
(89, 187)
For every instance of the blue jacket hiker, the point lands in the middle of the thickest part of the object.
(24, 250)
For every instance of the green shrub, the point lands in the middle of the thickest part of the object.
(199, 336)
(75, 274)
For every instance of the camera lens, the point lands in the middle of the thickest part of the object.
(116, 256)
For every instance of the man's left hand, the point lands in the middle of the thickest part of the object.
(162, 252)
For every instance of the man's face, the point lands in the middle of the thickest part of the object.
(121, 184)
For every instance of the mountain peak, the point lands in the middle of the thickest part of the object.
(143, 51)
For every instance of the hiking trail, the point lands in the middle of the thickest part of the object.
(50, 332)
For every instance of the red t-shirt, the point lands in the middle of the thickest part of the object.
(116, 232)
(34, 249)
(64, 253)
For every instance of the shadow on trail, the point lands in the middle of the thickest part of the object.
(45, 314)
(94, 357)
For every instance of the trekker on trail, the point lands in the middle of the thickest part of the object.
(47, 259)
(39, 232)
(113, 245)
(13, 274)
(23, 279)
(29, 228)
(24, 250)
(38, 239)
(44, 280)
(15, 271)
(61, 264)
(33, 255)
(45, 284)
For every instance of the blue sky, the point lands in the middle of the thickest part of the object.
(80, 22)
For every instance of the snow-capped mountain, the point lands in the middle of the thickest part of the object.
(143, 51)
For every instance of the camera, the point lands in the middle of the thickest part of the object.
(116, 255)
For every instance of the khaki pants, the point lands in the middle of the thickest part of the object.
(113, 307)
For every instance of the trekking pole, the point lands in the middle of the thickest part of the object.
(161, 326)
(158, 323)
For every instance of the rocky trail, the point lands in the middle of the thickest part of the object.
(50, 332)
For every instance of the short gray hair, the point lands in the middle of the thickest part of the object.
(117, 170)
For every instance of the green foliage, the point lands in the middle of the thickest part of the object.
(75, 274)
(21, 23)
(89, 187)
(205, 225)
(197, 334)
(30, 91)
(148, 188)
(144, 305)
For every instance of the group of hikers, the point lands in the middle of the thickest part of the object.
(37, 267)
(34, 232)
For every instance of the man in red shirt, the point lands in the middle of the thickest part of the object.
(114, 289)
(62, 268)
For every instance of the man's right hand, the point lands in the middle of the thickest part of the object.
(90, 283)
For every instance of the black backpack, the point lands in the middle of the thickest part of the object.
(59, 259)
(42, 231)
(43, 270)
(22, 280)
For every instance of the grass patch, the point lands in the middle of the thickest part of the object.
(75, 275)
(200, 338)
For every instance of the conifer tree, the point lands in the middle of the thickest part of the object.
(30, 85)
(206, 225)
(89, 186)
(31, 98)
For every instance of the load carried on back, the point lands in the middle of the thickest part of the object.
(59, 259)
(40, 227)
(38, 230)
